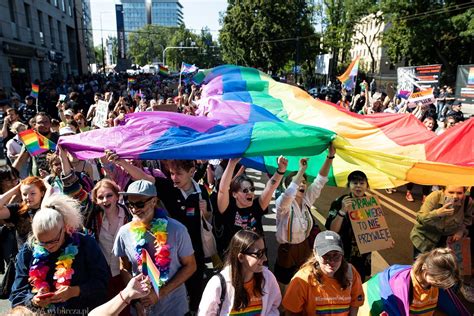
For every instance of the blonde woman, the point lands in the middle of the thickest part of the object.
(59, 268)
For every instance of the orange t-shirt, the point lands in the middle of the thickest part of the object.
(424, 301)
(255, 302)
(326, 298)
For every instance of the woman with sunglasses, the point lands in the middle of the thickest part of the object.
(250, 288)
(237, 203)
(32, 191)
(326, 283)
(60, 271)
(294, 219)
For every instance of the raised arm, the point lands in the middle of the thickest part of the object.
(5, 199)
(224, 186)
(273, 183)
(134, 172)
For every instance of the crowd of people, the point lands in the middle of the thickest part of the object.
(74, 231)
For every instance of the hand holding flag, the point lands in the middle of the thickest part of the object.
(149, 269)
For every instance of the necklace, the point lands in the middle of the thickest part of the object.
(158, 229)
(64, 271)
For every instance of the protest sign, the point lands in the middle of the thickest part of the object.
(101, 112)
(426, 97)
(465, 88)
(421, 77)
(368, 223)
(462, 250)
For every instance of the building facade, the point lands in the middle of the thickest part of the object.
(138, 13)
(38, 41)
(367, 43)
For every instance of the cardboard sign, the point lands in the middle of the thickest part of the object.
(369, 225)
(462, 249)
(101, 112)
(426, 97)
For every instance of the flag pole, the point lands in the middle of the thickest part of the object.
(37, 106)
(180, 72)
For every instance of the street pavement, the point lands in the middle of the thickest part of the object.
(400, 216)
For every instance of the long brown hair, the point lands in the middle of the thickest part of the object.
(316, 275)
(240, 243)
(441, 265)
(37, 182)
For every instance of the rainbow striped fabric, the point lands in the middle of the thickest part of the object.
(34, 90)
(163, 70)
(149, 269)
(131, 81)
(387, 293)
(36, 143)
(348, 77)
(245, 113)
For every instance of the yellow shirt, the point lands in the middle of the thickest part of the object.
(424, 301)
(327, 298)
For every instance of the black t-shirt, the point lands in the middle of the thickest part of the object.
(235, 219)
(22, 222)
(27, 112)
(185, 210)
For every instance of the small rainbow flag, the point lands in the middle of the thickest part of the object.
(131, 81)
(35, 90)
(163, 70)
(149, 268)
(347, 78)
(36, 143)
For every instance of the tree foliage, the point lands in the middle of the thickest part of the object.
(147, 44)
(266, 34)
(430, 32)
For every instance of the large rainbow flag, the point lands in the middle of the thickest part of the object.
(348, 77)
(245, 113)
(387, 293)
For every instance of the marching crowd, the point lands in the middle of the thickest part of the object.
(73, 231)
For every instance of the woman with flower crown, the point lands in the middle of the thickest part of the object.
(168, 243)
(59, 270)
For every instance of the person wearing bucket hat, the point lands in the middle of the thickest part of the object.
(326, 276)
(168, 243)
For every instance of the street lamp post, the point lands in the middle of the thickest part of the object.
(102, 40)
(176, 47)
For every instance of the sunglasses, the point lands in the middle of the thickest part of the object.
(332, 258)
(51, 242)
(247, 190)
(138, 204)
(259, 254)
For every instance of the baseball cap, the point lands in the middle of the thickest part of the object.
(457, 102)
(69, 112)
(141, 187)
(327, 241)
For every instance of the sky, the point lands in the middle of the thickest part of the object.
(197, 14)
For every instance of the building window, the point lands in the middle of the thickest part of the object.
(51, 31)
(27, 15)
(41, 31)
(60, 34)
(63, 6)
(11, 7)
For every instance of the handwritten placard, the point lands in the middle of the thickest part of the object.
(369, 225)
(101, 112)
(462, 250)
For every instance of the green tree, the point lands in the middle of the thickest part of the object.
(98, 52)
(266, 34)
(146, 44)
(429, 32)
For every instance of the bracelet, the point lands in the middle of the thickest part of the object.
(330, 157)
(126, 303)
(280, 173)
(341, 213)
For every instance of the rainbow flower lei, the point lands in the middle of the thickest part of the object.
(64, 271)
(158, 228)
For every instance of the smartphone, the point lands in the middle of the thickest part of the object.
(449, 200)
(62, 97)
(45, 295)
